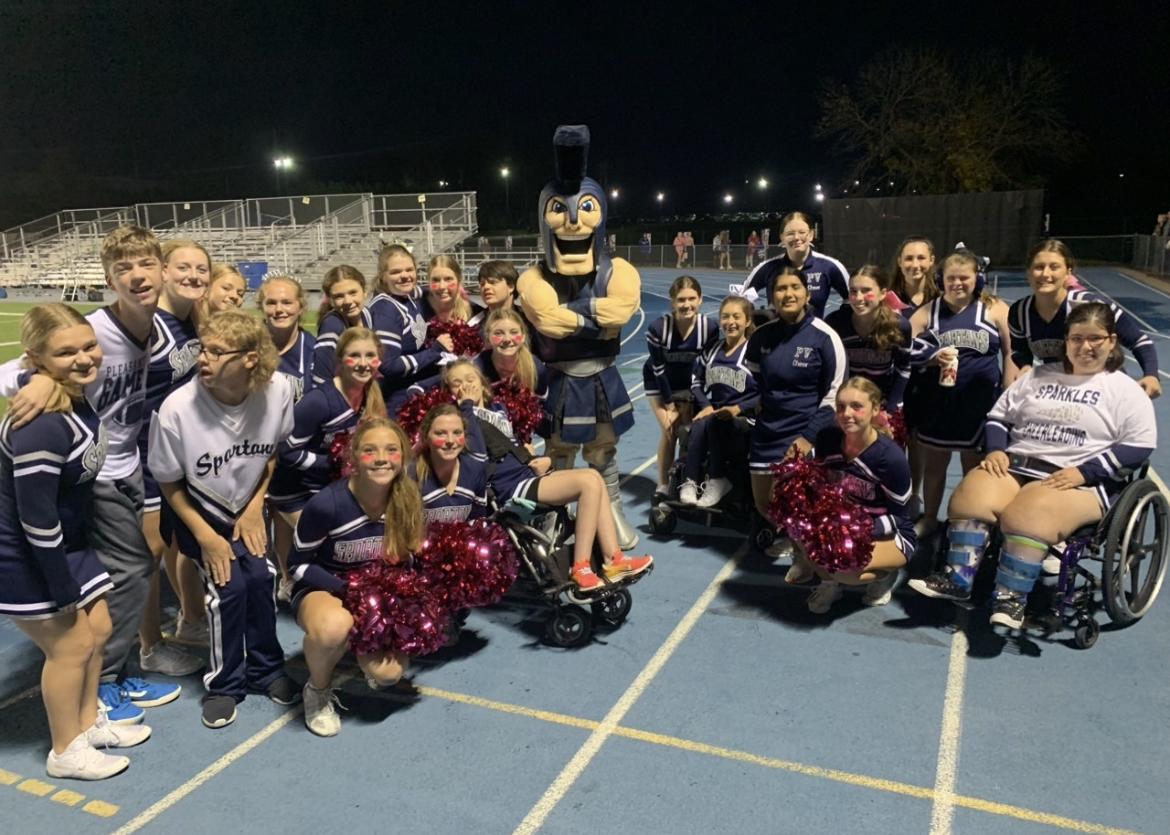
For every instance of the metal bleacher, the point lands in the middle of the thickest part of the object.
(300, 236)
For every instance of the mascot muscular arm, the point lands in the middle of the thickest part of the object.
(544, 310)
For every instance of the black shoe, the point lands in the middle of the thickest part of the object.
(1009, 611)
(283, 690)
(942, 586)
(218, 710)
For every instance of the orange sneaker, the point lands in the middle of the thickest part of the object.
(584, 576)
(623, 565)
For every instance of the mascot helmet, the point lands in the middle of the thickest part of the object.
(572, 208)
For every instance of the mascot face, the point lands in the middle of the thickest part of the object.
(573, 226)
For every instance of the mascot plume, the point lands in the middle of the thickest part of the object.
(577, 301)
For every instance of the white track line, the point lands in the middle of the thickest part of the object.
(638, 470)
(942, 811)
(641, 321)
(153, 811)
(1162, 293)
(20, 697)
(564, 781)
(634, 361)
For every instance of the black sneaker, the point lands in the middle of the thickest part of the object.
(283, 691)
(1009, 611)
(942, 586)
(218, 710)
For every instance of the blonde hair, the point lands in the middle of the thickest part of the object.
(342, 272)
(404, 514)
(525, 364)
(298, 288)
(384, 255)
(422, 461)
(126, 242)
(171, 246)
(968, 259)
(245, 332)
(870, 389)
(37, 326)
(461, 308)
(373, 405)
(484, 383)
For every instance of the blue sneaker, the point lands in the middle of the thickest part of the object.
(116, 702)
(145, 694)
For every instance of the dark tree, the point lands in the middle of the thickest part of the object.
(933, 123)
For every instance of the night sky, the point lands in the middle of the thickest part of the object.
(192, 100)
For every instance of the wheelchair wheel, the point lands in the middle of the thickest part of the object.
(613, 610)
(662, 520)
(1134, 562)
(569, 626)
(1087, 634)
(764, 537)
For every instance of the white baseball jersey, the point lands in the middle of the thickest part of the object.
(220, 451)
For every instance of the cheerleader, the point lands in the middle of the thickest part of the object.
(968, 324)
(212, 448)
(305, 462)
(453, 483)
(174, 352)
(283, 301)
(446, 297)
(674, 342)
(822, 273)
(52, 584)
(225, 291)
(913, 273)
(514, 474)
(798, 363)
(509, 361)
(873, 470)
(1037, 322)
(876, 339)
(723, 389)
(401, 324)
(375, 514)
(343, 305)
(497, 289)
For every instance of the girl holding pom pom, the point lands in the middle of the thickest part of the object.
(375, 514)
(453, 482)
(874, 473)
(509, 362)
(445, 297)
(514, 474)
(306, 460)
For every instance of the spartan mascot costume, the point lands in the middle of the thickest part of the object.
(577, 302)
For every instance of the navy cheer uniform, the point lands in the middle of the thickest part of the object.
(325, 350)
(174, 355)
(878, 480)
(47, 472)
(672, 356)
(401, 323)
(821, 272)
(1036, 341)
(304, 464)
(469, 499)
(798, 369)
(490, 438)
(333, 537)
(296, 364)
(719, 379)
(953, 417)
(888, 369)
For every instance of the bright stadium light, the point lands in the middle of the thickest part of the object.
(661, 197)
(613, 194)
(818, 186)
(727, 198)
(283, 162)
(443, 184)
(762, 182)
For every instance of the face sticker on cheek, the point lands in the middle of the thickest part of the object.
(869, 297)
(438, 442)
(366, 457)
(460, 440)
(394, 456)
(351, 360)
(497, 338)
(374, 363)
(518, 338)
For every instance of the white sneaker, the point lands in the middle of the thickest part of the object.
(802, 570)
(714, 490)
(321, 715)
(824, 596)
(1052, 560)
(192, 633)
(689, 492)
(169, 660)
(879, 592)
(782, 547)
(284, 590)
(81, 761)
(105, 734)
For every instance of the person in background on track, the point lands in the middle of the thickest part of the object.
(1037, 321)
(1058, 440)
(723, 389)
(822, 273)
(674, 341)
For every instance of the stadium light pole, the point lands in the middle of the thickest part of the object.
(281, 164)
(504, 172)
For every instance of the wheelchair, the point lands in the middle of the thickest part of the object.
(1117, 564)
(542, 536)
(735, 510)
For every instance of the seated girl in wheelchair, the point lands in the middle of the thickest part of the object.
(674, 342)
(874, 471)
(1058, 439)
(723, 390)
(515, 474)
(453, 482)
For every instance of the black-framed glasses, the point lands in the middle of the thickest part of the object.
(1095, 341)
(217, 353)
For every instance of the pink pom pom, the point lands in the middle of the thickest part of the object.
(415, 407)
(468, 563)
(525, 411)
(897, 421)
(467, 339)
(393, 608)
(811, 506)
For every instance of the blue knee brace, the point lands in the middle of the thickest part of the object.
(966, 539)
(1016, 574)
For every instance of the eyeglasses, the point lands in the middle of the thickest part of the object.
(1092, 341)
(214, 354)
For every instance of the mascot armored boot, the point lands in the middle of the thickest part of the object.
(577, 301)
